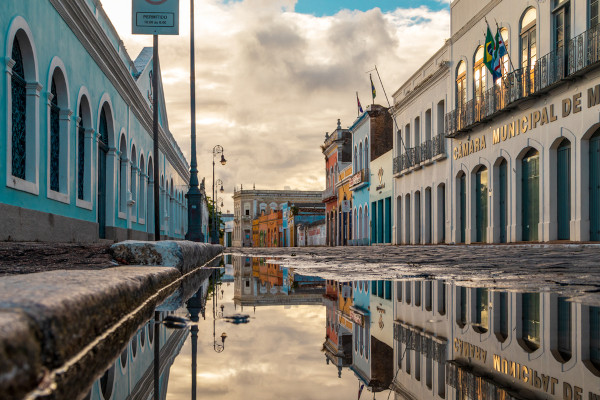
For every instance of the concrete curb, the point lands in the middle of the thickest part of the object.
(47, 318)
(181, 254)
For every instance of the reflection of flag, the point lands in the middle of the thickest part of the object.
(372, 88)
(360, 109)
(360, 390)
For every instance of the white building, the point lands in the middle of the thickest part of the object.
(523, 162)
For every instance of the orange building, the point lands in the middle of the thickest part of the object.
(344, 207)
(255, 233)
(267, 229)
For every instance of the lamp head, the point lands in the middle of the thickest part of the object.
(222, 190)
(223, 337)
(223, 160)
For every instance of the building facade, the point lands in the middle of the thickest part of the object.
(372, 136)
(77, 118)
(380, 197)
(337, 150)
(249, 204)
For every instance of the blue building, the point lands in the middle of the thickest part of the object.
(295, 214)
(372, 135)
(78, 164)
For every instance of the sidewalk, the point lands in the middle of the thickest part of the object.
(30, 257)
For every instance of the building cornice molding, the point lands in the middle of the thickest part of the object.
(426, 84)
(83, 23)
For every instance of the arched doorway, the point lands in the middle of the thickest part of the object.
(481, 204)
(563, 189)
(462, 200)
(530, 199)
(102, 152)
(503, 196)
(595, 186)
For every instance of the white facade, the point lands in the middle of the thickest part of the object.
(522, 160)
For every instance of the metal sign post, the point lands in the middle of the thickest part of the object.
(155, 17)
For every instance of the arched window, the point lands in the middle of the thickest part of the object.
(593, 13)
(360, 156)
(133, 177)
(80, 153)
(479, 78)
(561, 18)
(19, 111)
(354, 164)
(461, 85)
(123, 175)
(54, 139)
(142, 190)
(528, 48)
(366, 153)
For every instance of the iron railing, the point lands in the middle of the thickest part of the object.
(581, 52)
(426, 151)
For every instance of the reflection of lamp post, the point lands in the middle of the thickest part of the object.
(218, 149)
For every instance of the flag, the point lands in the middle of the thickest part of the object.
(490, 55)
(500, 52)
(360, 109)
(360, 389)
(373, 91)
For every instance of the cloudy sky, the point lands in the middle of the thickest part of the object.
(273, 76)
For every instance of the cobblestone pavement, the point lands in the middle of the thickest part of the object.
(29, 257)
(567, 268)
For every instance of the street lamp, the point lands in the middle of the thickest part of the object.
(194, 194)
(218, 149)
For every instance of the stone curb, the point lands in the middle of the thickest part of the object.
(47, 318)
(181, 254)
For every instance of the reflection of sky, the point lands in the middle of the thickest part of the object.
(275, 356)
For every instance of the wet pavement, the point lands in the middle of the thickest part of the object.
(561, 267)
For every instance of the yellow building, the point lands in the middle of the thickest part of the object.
(344, 206)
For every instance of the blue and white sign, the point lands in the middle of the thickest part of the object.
(155, 17)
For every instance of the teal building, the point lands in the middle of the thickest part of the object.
(76, 121)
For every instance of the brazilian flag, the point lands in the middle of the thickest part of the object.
(490, 55)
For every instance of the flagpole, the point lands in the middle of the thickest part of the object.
(507, 51)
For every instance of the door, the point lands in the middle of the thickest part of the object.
(463, 208)
(481, 189)
(388, 220)
(374, 222)
(563, 188)
(380, 222)
(503, 184)
(595, 187)
(531, 196)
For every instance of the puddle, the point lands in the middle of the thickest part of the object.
(253, 329)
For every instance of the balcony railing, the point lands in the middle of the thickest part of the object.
(582, 52)
(424, 152)
(359, 177)
(328, 193)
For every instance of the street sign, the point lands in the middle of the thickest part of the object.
(345, 206)
(155, 17)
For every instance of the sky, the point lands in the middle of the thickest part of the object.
(272, 76)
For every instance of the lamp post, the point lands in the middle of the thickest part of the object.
(218, 149)
(194, 195)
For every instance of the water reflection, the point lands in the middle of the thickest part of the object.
(410, 338)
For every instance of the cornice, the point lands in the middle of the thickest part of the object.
(83, 23)
(477, 18)
(423, 86)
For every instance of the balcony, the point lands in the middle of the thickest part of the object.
(423, 154)
(360, 179)
(328, 194)
(582, 53)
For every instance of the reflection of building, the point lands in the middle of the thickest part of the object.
(260, 283)
(372, 355)
(455, 342)
(249, 204)
(132, 374)
(338, 335)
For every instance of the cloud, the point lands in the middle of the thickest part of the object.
(270, 82)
